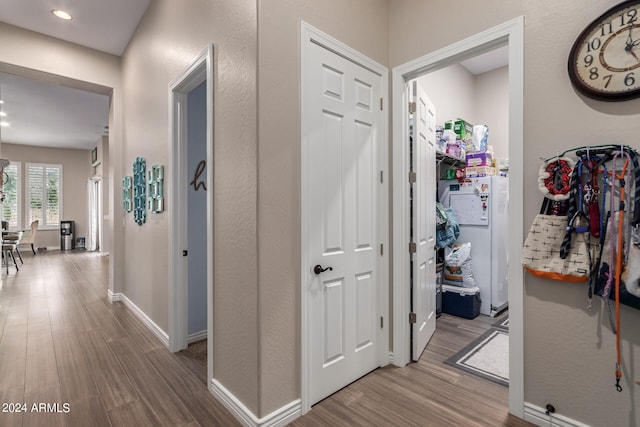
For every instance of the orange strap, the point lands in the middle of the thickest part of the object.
(619, 257)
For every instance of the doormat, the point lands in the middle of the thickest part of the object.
(487, 357)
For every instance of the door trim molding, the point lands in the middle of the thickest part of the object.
(202, 69)
(309, 36)
(510, 33)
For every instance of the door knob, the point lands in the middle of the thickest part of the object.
(318, 269)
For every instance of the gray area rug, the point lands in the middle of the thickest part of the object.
(487, 356)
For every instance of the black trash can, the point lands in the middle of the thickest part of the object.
(67, 231)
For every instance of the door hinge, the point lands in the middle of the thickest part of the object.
(412, 177)
(381, 108)
(381, 177)
(381, 249)
(413, 248)
(412, 107)
(413, 318)
(381, 322)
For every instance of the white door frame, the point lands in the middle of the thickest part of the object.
(199, 71)
(510, 33)
(311, 35)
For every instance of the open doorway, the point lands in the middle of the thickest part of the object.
(94, 229)
(191, 212)
(509, 35)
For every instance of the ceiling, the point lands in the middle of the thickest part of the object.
(488, 61)
(105, 25)
(46, 114)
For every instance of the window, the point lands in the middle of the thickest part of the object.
(44, 194)
(11, 187)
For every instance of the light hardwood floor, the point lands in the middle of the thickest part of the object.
(427, 393)
(62, 341)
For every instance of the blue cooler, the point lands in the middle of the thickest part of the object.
(462, 302)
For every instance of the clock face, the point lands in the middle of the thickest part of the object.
(605, 60)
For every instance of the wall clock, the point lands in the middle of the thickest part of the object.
(604, 62)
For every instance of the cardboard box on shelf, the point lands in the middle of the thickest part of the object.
(479, 159)
(478, 171)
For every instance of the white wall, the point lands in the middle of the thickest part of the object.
(76, 170)
(481, 99)
(452, 91)
(491, 100)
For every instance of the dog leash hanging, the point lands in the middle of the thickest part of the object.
(574, 213)
(619, 255)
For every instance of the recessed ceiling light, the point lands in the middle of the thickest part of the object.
(1, 101)
(4, 124)
(61, 14)
(3, 114)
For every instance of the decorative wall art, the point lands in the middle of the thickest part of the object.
(139, 191)
(156, 189)
(199, 170)
(127, 194)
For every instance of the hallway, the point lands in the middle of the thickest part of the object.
(62, 342)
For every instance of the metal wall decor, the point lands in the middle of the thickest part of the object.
(139, 191)
(156, 189)
(127, 194)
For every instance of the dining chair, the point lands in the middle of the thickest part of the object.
(29, 237)
(7, 253)
(12, 239)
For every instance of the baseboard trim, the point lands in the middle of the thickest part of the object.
(197, 336)
(150, 324)
(279, 417)
(538, 416)
(113, 297)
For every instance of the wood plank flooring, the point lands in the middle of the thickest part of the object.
(62, 342)
(426, 393)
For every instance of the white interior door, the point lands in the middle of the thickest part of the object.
(423, 221)
(342, 186)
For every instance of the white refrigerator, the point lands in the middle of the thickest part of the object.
(481, 205)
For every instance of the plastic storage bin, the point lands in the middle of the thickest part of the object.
(462, 302)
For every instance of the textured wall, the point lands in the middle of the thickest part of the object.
(569, 352)
(363, 25)
(168, 39)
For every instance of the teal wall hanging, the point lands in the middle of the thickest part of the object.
(156, 189)
(127, 194)
(139, 191)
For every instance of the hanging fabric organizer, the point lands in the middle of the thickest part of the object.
(592, 205)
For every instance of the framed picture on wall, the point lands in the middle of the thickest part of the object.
(94, 156)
